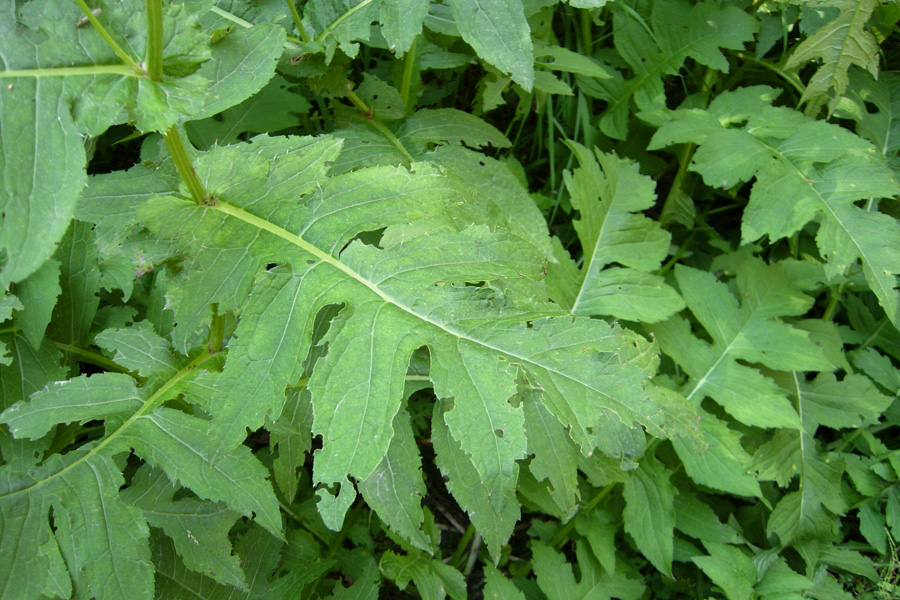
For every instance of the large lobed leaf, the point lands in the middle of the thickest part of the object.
(430, 283)
(747, 331)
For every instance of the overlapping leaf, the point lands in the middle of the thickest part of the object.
(280, 206)
(676, 31)
(747, 331)
(805, 171)
(839, 45)
(61, 81)
(104, 540)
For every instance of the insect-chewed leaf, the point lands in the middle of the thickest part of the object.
(437, 287)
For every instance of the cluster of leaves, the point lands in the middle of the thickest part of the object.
(500, 298)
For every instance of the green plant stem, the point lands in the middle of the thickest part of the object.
(369, 114)
(682, 249)
(182, 161)
(584, 18)
(287, 510)
(791, 79)
(291, 42)
(461, 547)
(298, 21)
(409, 64)
(563, 533)
(473, 555)
(153, 60)
(98, 27)
(230, 17)
(345, 530)
(216, 330)
(836, 292)
(92, 358)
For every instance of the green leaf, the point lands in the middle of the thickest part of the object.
(730, 569)
(168, 439)
(402, 296)
(395, 488)
(805, 170)
(79, 399)
(724, 465)
(79, 280)
(599, 527)
(38, 294)
(780, 581)
(291, 435)
(557, 580)
(175, 581)
(198, 529)
(241, 65)
(138, 348)
(499, 33)
(872, 527)
(875, 106)
(273, 108)
(341, 23)
(851, 402)
(433, 579)
(449, 126)
(497, 197)
(677, 30)
(650, 513)
(494, 514)
(801, 514)
(402, 22)
(498, 587)
(558, 58)
(555, 456)
(102, 541)
(695, 518)
(32, 369)
(840, 44)
(367, 579)
(747, 331)
(611, 233)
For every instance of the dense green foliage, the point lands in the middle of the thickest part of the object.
(471, 298)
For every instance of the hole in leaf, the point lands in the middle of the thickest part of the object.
(499, 433)
(369, 238)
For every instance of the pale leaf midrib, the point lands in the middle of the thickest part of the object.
(260, 223)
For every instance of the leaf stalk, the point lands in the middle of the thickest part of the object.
(153, 61)
(178, 151)
(369, 113)
(298, 21)
(409, 64)
(99, 28)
